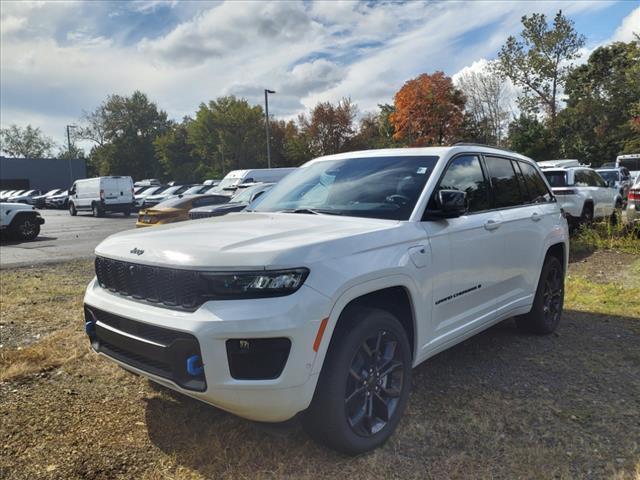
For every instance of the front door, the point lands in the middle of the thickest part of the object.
(466, 256)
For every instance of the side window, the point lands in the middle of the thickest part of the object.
(596, 179)
(465, 174)
(536, 188)
(581, 179)
(504, 181)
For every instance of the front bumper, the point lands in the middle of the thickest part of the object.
(296, 317)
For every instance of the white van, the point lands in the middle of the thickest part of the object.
(258, 175)
(102, 195)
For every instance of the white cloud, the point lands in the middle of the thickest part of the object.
(59, 61)
(629, 26)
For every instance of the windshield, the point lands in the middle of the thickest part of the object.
(52, 192)
(245, 195)
(556, 179)
(171, 190)
(228, 182)
(632, 164)
(609, 175)
(374, 187)
(194, 190)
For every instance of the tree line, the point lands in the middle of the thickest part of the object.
(589, 111)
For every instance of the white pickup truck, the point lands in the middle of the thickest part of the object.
(20, 221)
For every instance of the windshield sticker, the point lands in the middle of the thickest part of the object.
(422, 170)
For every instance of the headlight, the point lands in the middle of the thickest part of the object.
(268, 283)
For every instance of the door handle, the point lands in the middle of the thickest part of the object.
(536, 217)
(491, 225)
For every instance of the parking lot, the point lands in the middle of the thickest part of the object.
(63, 237)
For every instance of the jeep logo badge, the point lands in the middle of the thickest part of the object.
(137, 251)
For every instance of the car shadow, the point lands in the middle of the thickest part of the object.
(11, 242)
(500, 389)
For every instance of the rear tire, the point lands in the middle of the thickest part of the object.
(72, 209)
(587, 215)
(96, 211)
(615, 217)
(546, 311)
(364, 384)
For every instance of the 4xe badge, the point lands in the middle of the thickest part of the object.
(137, 251)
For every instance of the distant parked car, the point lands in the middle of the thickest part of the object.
(153, 190)
(102, 195)
(176, 209)
(20, 221)
(10, 194)
(39, 200)
(583, 194)
(211, 182)
(5, 194)
(172, 191)
(619, 178)
(147, 182)
(25, 197)
(237, 203)
(60, 200)
(233, 179)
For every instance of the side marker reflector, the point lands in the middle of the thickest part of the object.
(323, 325)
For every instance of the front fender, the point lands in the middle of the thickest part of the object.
(358, 290)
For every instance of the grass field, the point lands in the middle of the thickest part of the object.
(500, 405)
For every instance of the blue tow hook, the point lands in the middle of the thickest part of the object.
(90, 327)
(194, 366)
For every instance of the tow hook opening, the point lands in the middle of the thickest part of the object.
(195, 368)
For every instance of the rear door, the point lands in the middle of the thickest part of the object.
(466, 251)
(522, 229)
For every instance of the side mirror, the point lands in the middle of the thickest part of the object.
(451, 204)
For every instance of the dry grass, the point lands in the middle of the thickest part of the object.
(603, 236)
(500, 405)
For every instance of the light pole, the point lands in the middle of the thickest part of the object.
(69, 127)
(266, 124)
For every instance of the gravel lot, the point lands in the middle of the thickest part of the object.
(63, 237)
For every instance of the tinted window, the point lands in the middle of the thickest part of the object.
(556, 178)
(505, 183)
(465, 174)
(203, 202)
(536, 190)
(581, 179)
(596, 179)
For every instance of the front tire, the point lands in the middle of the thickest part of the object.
(72, 209)
(546, 311)
(587, 215)
(364, 384)
(27, 228)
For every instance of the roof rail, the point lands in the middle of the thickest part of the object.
(473, 144)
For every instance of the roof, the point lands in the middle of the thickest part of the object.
(421, 151)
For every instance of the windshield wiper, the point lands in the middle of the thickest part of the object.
(312, 211)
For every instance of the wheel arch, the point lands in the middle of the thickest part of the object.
(396, 294)
(20, 215)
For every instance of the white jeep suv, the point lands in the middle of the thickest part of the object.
(583, 194)
(349, 272)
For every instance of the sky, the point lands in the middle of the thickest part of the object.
(58, 59)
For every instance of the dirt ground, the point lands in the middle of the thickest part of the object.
(500, 405)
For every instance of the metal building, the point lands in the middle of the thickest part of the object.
(40, 173)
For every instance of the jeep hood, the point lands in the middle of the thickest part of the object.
(251, 240)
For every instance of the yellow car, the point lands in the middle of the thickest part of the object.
(177, 209)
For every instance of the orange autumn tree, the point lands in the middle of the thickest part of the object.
(429, 110)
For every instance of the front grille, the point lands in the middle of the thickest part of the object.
(197, 215)
(152, 349)
(169, 287)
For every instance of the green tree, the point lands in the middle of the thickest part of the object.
(602, 117)
(177, 155)
(27, 142)
(229, 132)
(531, 137)
(540, 61)
(128, 127)
(375, 130)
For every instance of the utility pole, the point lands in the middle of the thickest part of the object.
(266, 124)
(69, 127)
